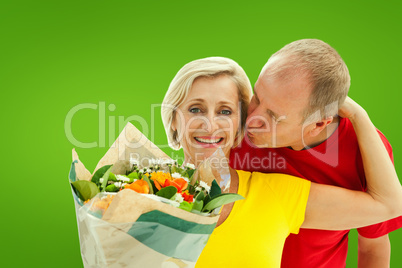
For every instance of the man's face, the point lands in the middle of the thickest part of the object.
(275, 112)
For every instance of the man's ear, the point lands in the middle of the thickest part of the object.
(320, 126)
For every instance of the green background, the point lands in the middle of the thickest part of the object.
(58, 54)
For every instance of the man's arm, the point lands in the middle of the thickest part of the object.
(374, 252)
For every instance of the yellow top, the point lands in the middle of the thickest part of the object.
(254, 233)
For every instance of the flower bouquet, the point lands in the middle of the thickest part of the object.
(141, 209)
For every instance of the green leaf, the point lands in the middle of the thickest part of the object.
(112, 188)
(154, 187)
(99, 174)
(221, 200)
(191, 189)
(112, 177)
(186, 206)
(198, 204)
(190, 173)
(105, 178)
(183, 173)
(151, 189)
(167, 192)
(200, 196)
(133, 175)
(174, 169)
(207, 199)
(87, 189)
(215, 189)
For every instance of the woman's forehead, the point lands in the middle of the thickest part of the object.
(218, 90)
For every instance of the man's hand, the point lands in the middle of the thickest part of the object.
(374, 253)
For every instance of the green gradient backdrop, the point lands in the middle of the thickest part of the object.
(57, 55)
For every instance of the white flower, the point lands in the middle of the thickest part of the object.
(198, 189)
(134, 161)
(186, 179)
(101, 180)
(176, 175)
(122, 178)
(167, 161)
(119, 184)
(205, 186)
(189, 165)
(178, 198)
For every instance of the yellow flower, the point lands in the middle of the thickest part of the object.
(159, 178)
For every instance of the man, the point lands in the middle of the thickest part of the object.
(293, 128)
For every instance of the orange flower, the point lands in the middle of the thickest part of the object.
(179, 183)
(187, 197)
(140, 186)
(101, 204)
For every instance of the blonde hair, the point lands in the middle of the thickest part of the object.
(183, 81)
(324, 68)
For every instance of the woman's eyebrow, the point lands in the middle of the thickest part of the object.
(196, 100)
(226, 102)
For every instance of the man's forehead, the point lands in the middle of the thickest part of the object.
(283, 97)
(289, 81)
(271, 63)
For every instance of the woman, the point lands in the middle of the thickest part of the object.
(205, 108)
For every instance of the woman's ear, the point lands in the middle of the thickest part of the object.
(173, 125)
(320, 126)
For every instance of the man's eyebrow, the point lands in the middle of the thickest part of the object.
(255, 95)
(272, 113)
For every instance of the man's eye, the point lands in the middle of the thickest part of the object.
(194, 110)
(226, 112)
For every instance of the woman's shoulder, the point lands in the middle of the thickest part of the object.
(266, 176)
(276, 179)
(243, 173)
(274, 176)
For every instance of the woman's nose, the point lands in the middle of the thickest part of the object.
(211, 123)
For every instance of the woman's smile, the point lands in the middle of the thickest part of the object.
(209, 141)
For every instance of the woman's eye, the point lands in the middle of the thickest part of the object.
(194, 110)
(226, 112)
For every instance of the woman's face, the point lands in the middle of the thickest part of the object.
(208, 118)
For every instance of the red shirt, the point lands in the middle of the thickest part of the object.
(336, 161)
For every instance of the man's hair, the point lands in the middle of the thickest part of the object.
(325, 70)
(181, 84)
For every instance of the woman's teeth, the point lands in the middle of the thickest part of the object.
(210, 141)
